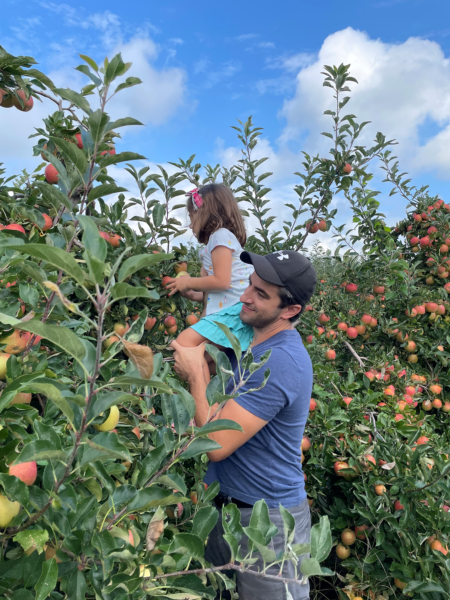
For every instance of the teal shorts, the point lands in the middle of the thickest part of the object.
(229, 317)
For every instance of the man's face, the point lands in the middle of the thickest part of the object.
(261, 304)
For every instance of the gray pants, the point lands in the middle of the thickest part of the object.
(252, 587)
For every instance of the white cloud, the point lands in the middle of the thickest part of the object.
(246, 36)
(400, 87)
(162, 92)
(291, 62)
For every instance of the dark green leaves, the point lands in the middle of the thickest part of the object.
(91, 238)
(53, 256)
(61, 336)
(124, 290)
(136, 263)
(204, 522)
(200, 446)
(53, 195)
(105, 189)
(47, 580)
(108, 160)
(75, 98)
(72, 152)
(218, 425)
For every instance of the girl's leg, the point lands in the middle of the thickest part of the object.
(189, 338)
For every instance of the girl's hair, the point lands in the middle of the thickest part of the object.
(219, 209)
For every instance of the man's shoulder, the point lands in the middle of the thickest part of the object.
(287, 349)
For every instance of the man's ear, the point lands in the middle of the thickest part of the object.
(291, 311)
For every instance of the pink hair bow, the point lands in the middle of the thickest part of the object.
(196, 198)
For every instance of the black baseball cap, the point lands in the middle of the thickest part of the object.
(285, 268)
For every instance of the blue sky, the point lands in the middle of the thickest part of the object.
(205, 64)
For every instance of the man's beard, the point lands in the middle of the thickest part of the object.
(257, 321)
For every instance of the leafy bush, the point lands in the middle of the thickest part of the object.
(110, 502)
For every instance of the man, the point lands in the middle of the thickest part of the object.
(263, 461)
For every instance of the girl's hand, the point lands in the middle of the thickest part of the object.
(179, 284)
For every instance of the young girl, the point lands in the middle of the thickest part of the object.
(216, 222)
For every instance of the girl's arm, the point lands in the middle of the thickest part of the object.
(219, 282)
(197, 296)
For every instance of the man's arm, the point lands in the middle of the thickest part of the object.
(189, 364)
(230, 440)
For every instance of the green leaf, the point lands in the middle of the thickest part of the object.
(152, 497)
(104, 446)
(76, 586)
(218, 425)
(53, 256)
(200, 447)
(28, 294)
(260, 521)
(124, 290)
(96, 266)
(116, 67)
(61, 336)
(311, 566)
(141, 261)
(50, 391)
(90, 61)
(105, 189)
(321, 539)
(15, 488)
(211, 492)
(72, 152)
(204, 521)
(187, 543)
(53, 195)
(260, 542)
(91, 238)
(75, 98)
(40, 450)
(235, 343)
(186, 397)
(151, 464)
(129, 82)
(158, 214)
(33, 215)
(173, 481)
(32, 538)
(122, 123)
(100, 403)
(47, 581)
(97, 123)
(108, 160)
(289, 525)
(124, 380)
(181, 417)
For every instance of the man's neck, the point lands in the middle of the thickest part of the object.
(261, 335)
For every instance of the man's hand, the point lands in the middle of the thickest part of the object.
(179, 284)
(189, 362)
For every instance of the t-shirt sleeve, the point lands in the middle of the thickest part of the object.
(223, 237)
(267, 402)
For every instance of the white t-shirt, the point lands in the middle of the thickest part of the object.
(240, 272)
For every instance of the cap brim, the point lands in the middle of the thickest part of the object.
(263, 268)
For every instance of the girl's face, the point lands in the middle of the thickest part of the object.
(193, 225)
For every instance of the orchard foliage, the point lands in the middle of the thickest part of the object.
(101, 464)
